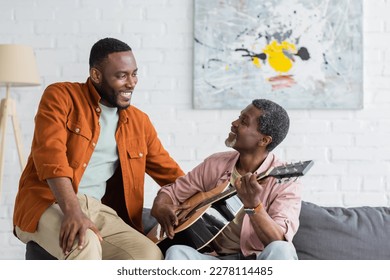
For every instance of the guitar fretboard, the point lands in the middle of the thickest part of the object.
(279, 172)
(230, 190)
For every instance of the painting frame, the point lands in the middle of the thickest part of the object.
(302, 54)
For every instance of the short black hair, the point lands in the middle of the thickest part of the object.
(274, 121)
(102, 48)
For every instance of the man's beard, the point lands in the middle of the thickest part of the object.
(230, 143)
(104, 90)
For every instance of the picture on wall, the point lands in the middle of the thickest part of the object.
(303, 54)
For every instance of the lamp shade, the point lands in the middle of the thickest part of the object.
(18, 66)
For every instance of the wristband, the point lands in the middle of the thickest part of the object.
(252, 211)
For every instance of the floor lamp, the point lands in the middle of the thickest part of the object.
(17, 69)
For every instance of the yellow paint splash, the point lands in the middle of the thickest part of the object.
(257, 62)
(277, 59)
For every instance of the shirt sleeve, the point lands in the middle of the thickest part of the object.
(186, 186)
(50, 136)
(159, 164)
(285, 207)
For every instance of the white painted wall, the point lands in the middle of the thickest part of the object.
(350, 148)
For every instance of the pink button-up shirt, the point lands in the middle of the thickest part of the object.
(281, 200)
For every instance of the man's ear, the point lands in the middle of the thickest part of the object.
(265, 140)
(96, 75)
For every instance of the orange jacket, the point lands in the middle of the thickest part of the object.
(66, 131)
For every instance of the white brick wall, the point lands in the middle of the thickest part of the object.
(350, 148)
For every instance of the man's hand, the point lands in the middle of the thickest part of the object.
(166, 214)
(74, 225)
(248, 190)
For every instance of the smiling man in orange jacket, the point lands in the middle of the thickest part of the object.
(81, 194)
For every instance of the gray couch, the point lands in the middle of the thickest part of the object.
(338, 233)
(325, 233)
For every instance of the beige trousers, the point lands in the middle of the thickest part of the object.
(120, 241)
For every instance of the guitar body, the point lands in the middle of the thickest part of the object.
(208, 213)
(207, 222)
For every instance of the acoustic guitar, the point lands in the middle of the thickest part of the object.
(208, 213)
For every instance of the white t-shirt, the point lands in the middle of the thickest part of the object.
(104, 160)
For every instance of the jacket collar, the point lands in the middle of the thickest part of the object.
(95, 97)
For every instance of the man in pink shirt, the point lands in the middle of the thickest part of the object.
(264, 227)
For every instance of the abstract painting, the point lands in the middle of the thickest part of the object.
(302, 54)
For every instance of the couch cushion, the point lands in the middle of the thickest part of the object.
(336, 233)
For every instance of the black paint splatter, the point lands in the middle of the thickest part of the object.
(303, 53)
(252, 55)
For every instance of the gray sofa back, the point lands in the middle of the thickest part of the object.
(338, 233)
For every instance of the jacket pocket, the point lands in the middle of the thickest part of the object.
(77, 128)
(136, 149)
(136, 159)
(135, 154)
(79, 137)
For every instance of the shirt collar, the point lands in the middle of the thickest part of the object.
(266, 163)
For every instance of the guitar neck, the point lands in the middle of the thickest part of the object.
(279, 172)
(225, 194)
(229, 191)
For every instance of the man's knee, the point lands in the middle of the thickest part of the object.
(278, 250)
(131, 246)
(183, 252)
(92, 249)
(146, 250)
(177, 252)
(154, 253)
